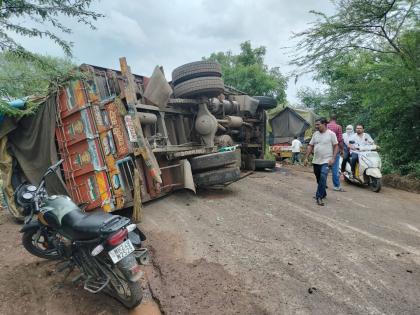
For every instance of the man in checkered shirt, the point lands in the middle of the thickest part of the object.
(338, 130)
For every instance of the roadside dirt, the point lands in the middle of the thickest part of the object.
(402, 182)
(259, 246)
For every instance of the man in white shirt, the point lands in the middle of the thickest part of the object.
(296, 145)
(325, 146)
(360, 141)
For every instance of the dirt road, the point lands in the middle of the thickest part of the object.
(260, 246)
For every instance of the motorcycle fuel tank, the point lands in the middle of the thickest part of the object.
(55, 208)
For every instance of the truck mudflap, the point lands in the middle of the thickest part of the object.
(188, 176)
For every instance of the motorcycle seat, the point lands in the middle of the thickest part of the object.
(84, 226)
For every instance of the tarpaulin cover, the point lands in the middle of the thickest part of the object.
(286, 125)
(6, 167)
(31, 141)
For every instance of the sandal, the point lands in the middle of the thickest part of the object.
(319, 202)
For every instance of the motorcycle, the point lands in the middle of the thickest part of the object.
(367, 170)
(105, 248)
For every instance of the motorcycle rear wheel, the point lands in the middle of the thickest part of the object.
(129, 293)
(375, 184)
(39, 246)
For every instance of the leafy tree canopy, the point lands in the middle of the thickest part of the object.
(368, 56)
(20, 77)
(14, 14)
(379, 90)
(370, 25)
(248, 73)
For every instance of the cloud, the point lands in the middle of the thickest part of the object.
(109, 28)
(171, 33)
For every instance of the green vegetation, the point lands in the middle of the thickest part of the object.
(35, 77)
(248, 73)
(23, 73)
(368, 56)
(17, 15)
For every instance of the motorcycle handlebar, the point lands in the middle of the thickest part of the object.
(54, 166)
(49, 171)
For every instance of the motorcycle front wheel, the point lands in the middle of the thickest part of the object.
(375, 184)
(39, 243)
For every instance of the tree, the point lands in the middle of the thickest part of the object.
(368, 56)
(380, 91)
(312, 99)
(20, 77)
(248, 73)
(372, 25)
(37, 77)
(14, 14)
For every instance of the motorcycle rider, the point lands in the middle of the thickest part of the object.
(346, 154)
(360, 140)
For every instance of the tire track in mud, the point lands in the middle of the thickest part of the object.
(198, 287)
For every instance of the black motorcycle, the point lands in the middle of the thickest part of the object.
(105, 248)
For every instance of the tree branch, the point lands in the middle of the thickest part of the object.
(409, 10)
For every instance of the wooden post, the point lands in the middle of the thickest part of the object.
(143, 147)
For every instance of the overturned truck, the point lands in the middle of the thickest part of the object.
(127, 139)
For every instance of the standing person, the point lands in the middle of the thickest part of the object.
(324, 144)
(296, 145)
(338, 130)
(346, 138)
(360, 140)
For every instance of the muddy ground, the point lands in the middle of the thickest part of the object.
(259, 246)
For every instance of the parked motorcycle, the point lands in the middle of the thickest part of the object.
(367, 170)
(105, 248)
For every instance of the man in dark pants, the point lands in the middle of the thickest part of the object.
(324, 144)
(338, 130)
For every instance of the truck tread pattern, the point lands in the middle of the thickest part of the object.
(213, 160)
(205, 86)
(266, 102)
(196, 69)
(217, 177)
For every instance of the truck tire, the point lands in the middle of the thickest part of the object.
(266, 102)
(213, 160)
(196, 69)
(182, 102)
(224, 141)
(217, 177)
(248, 162)
(261, 164)
(205, 86)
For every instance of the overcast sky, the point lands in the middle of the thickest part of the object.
(171, 33)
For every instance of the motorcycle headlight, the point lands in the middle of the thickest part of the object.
(27, 196)
(31, 188)
(24, 195)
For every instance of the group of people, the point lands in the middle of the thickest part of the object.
(327, 144)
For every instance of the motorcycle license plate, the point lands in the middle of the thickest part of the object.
(121, 251)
